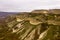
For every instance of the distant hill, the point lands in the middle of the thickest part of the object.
(54, 11)
(7, 13)
(4, 15)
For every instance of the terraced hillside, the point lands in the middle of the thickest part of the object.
(31, 26)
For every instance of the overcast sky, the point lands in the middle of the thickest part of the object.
(27, 5)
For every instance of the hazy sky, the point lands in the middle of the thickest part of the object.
(27, 5)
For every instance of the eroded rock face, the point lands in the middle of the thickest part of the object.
(32, 26)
